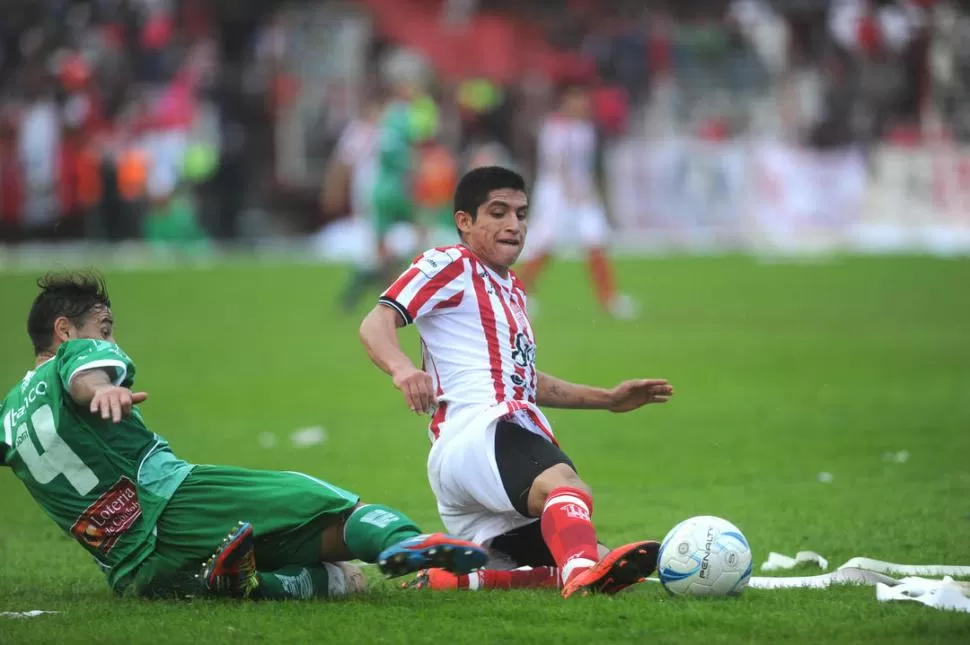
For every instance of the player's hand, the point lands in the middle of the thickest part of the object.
(114, 402)
(630, 395)
(417, 388)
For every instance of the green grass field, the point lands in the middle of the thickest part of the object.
(782, 372)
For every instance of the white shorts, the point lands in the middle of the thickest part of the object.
(554, 220)
(465, 479)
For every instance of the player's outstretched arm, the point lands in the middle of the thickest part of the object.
(628, 395)
(552, 392)
(378, 333)
(95, 389)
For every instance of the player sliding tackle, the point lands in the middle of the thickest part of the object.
(72, 434)
(495, 467)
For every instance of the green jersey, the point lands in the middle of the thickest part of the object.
(395, 145)
(103, 483)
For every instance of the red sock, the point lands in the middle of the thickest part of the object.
(538, 578)
(568, 531)
(531, 270)
(601, 271)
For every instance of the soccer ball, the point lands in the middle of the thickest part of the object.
(704, 556)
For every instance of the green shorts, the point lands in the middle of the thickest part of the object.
(391, 205)
(288, 511)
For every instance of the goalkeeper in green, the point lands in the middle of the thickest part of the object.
(73, 434)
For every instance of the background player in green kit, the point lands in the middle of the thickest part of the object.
(403, 125)
(73, 436)
(407, 119)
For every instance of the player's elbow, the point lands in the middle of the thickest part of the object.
(364, 332)
(373, 326)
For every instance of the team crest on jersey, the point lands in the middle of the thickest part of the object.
(106, 520)
(524, 353)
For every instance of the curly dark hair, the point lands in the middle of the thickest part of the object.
(73, 294)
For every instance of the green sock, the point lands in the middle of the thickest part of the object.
(301, 583)
(372, 528)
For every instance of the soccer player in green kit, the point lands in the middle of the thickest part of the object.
(71, 432)
(407, 119)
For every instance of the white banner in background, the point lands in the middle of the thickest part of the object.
(803, 197)
(680, 189)
(762, 195)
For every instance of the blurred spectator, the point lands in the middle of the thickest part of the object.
(38, 147)
(950, 67)
(124, 86)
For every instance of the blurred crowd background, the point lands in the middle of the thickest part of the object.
(194, 122)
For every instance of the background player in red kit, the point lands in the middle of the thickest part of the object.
(495, 467)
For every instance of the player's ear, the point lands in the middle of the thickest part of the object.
(63, 330)
(464, 221)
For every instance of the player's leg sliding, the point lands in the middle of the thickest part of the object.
(568, 530)
(441, 580)
(231, 573)
(372, 533)
(375, 533)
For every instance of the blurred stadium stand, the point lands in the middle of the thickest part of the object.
(718, 119)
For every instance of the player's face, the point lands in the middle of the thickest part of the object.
(498, 233)
(577, 105)
(99, 325)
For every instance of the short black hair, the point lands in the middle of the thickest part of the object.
(474, 188)
(73, 294)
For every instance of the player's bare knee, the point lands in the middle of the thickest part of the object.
(558, 476)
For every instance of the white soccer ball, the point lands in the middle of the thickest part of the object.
(704, 556)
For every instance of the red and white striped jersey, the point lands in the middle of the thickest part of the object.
(567, 152)
(476, 340)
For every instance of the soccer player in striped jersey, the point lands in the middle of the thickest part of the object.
(496, 468)
(567, 201)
